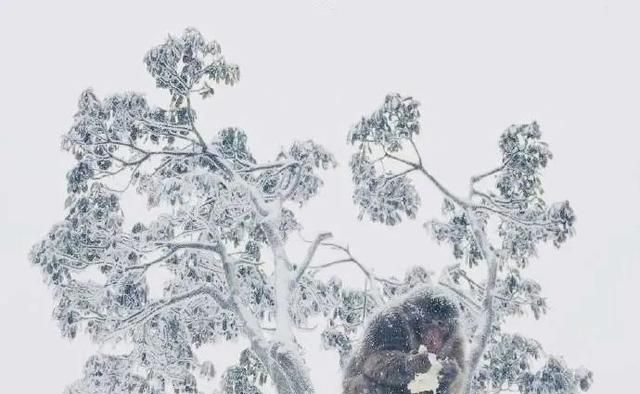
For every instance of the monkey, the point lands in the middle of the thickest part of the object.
(388, 357)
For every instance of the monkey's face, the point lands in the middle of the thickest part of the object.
(434, 334)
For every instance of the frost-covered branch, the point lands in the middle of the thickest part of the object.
(483, 332)
(193, 129)
(371, 278)
(309, 257)
(154, 309)
(151, 263)
(419, 167)
(251, 324)
(487, 174)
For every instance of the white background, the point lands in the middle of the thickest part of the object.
(310, 69)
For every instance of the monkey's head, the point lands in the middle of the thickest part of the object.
(433, 317)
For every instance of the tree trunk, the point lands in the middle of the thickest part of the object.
(286, 368)
(483, 331)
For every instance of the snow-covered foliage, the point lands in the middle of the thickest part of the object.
(515, 362)
(499, 226)
(219, 236)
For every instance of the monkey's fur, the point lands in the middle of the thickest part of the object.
(388, 359)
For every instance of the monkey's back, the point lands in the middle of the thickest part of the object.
(388, 330)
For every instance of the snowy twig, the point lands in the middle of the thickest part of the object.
(201, 142)
(420, 167)
(478, 178)
(351, 259)
(310, 253)
(155, 308)
(465, 298)
(145, 266)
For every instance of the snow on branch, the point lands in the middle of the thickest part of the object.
(310, 253)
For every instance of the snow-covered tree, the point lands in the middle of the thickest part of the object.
(494, 232)
(222, 218)
(221, 223)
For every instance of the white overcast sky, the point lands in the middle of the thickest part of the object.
(310, 69)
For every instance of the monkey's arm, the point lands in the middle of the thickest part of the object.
(453, 361)
(454, 349)
(395, 368)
